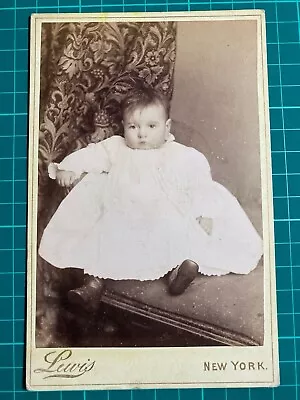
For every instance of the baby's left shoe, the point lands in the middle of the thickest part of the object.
(89, 294)
(182, 276)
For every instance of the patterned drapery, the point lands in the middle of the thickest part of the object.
(86, 69)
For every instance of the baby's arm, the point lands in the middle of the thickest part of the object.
(63, 178)
(93, 158)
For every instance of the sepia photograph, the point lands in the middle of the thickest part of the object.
(150, 229)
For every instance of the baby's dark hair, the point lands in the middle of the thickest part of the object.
(143, 97)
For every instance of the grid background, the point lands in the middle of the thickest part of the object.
(283, 37)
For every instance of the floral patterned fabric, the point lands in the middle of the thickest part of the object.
(86, 69)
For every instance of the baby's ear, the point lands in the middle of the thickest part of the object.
(168, 125)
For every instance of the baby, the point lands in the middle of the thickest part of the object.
(147, 205)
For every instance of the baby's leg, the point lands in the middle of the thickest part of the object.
(89, 294)
(182, 276)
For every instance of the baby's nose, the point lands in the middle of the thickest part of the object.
(142, 133)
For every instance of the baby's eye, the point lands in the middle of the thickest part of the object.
(131, 126)
(152, 126)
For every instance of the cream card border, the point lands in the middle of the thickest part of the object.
(117, 368)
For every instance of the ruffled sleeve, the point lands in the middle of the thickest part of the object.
(96, 157)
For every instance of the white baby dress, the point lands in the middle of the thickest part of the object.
(133, 216)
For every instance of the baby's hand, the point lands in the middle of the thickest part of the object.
(206, 224)
(65, 178)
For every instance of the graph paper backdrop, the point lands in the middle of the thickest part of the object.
(283, 33)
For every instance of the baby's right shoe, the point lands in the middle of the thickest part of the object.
(89, 294)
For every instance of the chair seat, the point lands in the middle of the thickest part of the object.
(226, 309)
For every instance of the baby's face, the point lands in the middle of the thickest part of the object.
(146, 128)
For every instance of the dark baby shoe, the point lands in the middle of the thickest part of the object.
(182, 276)
(89, 294)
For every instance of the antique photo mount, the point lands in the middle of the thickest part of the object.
(239, 360)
